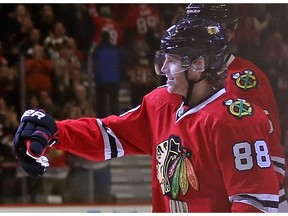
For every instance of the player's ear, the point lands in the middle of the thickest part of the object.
(198, 64)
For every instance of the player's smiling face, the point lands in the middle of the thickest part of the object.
(173, 70)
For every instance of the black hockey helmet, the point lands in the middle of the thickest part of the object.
(191, 38)
(225, 14)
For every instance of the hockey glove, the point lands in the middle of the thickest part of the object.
(36, 131)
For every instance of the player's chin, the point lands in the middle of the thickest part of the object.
(173, 89)
(170, 88)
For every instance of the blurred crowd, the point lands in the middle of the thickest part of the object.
(51, 55)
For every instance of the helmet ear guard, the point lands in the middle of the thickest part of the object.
(198, 64)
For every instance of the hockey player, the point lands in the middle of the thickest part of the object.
(247, 81)
(211, 154)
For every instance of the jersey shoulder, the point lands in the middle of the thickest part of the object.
(242, 65)
(162, 95)
(230, 107)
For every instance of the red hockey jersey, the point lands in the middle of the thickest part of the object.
(140, 18)
(213, 157)
(247, 81)
(102, 24)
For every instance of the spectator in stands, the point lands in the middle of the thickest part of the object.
(33, 102)
(8, 121)
(78, 15)
(107, 75)
(39, 71)
(139, 19)
(71, 43)
(82, 100)
(9, 185)
(20, 25)
(46, 20)
(55, 40)
(143, 24)
(261, 17)
(71, 110)
(141, 74)
(34, 38)
(9, 84)
(104, 21)
(46, 103)
(67, 71)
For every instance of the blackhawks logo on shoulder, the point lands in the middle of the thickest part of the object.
(239, 107)
(245, 80)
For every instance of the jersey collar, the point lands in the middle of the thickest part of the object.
(181, 112)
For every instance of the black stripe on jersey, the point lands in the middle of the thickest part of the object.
(280, 165)
(113, 147)
(265, 203)
(112, 143)
(283, 197)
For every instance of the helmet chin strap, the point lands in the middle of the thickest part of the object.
(191, 84)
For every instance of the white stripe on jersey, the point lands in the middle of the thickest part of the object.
(283, 206)
(107, 145)
(281, 192)
(264, 202)
(129, 111)
(199, 106)
(281, 161)
(177, 206)
(282, 198)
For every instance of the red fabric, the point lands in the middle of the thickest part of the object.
(107, 24)
(38, 75)
(210, 139)
(260, 93)
(140, 19)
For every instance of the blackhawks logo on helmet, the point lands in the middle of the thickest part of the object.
(245, 80)
(175, 171)
(213, 30)
(239, 107)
